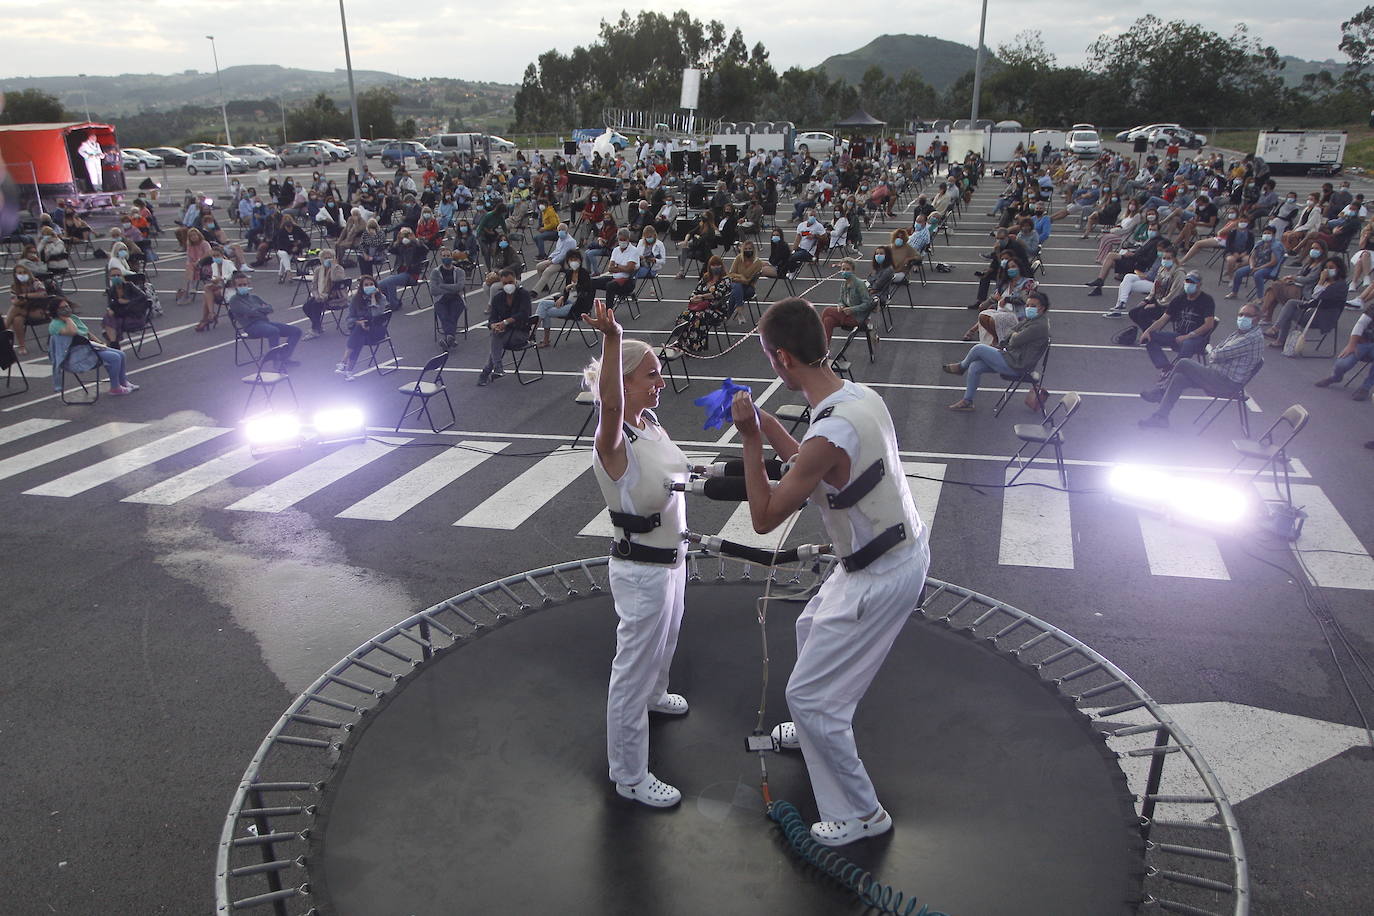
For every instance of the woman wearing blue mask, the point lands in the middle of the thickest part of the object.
(881, 273)
(368, 315)
(1021, 351)
(856, 303)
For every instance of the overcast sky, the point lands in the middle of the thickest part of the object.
(418, 39)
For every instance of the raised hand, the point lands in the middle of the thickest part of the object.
(603, 319)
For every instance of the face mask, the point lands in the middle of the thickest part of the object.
(407, 241)
(562, 234)
(1331, 272)
(777, 238)
(1189, 287)
(1032, 312)
(1243, 225)
(116, 279)
(509, 288)
(1166, 263)
(244, 290)
(879, 258)
(595, 199)
(623, 244)
(649, 241)
(1267, 237)
(447, 262)
(1013, 272)
(217, 260)
(463, 229)
(1314, 253)
(1244, 322)
(1005, 262)
(369, 290)
(899, 242)
(573, 265)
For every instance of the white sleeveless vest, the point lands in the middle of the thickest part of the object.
(653, 461)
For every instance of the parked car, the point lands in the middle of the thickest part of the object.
(141, 159)
(818, 141)
(1140, 130)
(1160, 138)
(214, 160)
(257, 158)
(1084, 142)
(337, 153)
(502, 145)
(171, 154)
(310, 153)
(374, 147)
(197, 147)
(398, 151)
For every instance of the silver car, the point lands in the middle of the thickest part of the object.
(214, 160)
(257, 158)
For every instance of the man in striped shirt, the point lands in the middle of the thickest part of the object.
(1229, 368)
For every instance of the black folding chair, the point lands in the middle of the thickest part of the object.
(1240, 398)
(796, 414)
(81, 357)
(589, 337)
(1049, 433)
(143, 326)
(246, 343)
(667, 356)
(585, 399)
(430, 384)
(1034, 375)
(374, 345)
(268, 374)
(517, 355)
(9, 361)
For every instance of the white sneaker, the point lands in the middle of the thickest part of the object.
(341, 368)
(671, 704)
(785, 736)
(653, 792)
(841, 833)
(311, 335)
(130, 386)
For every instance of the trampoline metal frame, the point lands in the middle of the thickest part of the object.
(1192, 866)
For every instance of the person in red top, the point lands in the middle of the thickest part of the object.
(427, 229)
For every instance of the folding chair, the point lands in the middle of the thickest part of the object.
(650, 282)
(586, 399)
(796, 414)
(1328, 323)
(384, 340)
(666, 357)
(1240, 398)
(9, 361)
(1035, 375)
(144, 328)
(1272, 453)
(241, 339)
(613, 298)
(80, 358)
(589, 338)
(841, 366)
(32, 323)
(270, 372)
(1046, 434)
(1354, 376)
(786, 280)
(517, 356)
(428, 385)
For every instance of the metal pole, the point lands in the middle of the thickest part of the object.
(85, 103)
(978, 62)
(283, 121)
(222, 109)
(352, 93)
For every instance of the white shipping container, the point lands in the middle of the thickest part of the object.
(1301, 148)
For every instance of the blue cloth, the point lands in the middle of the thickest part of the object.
(717, 404)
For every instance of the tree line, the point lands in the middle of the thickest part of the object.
(1157, 70)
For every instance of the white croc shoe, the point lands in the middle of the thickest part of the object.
(785, 737)
(670, 704)
(841, 833)
(653, 792)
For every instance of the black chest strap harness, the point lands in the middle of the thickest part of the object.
(849, 497)
(629, 524)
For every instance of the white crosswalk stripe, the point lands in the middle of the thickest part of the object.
(1036, 527)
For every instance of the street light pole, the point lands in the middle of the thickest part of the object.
(283, 121)
(222, 109)
(352, 93)
(85, 102)
(978, 63)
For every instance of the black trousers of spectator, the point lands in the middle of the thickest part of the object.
(799, 257)
(1145, 315)
(314, 310)
(449, 309)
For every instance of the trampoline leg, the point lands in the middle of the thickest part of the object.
(1147, 804)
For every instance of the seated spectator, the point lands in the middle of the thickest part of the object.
(251, 313)
(1161, 283)
(504, 254)
(1228, 368)
(351, 235)
(52, 251)
(743, 274)
(1328, 296)
(779, 254)
(1262, 265)
(409, 259)
(510, 318)
(1360, 348)
(197, 250)
(809, 234)
(856, 304)
(290, 242)
(328, 285)
(1000, 313)
(372, 248)
(369, 312)
(1083, 202)
(1307, 220)
(1297, 285)
(549, 224)
(30, 301)
(903, 255)
(427, 230)
(65, 331)
(216, 270)
(1131, 256)
(1233, 226)
(447, 280)
(649, 254)
(708, 306)
(464, 239)
(126, 308)
(1193, 316)
(551, 268)
(619, 282)
(1020, 352)
(1131, 219)
(698, 244)
(880, 274)
(1106, 213)
(601, 243)
(575, 299)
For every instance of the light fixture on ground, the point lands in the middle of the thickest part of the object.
(339, 424)
(1219, 503)
(272, 432)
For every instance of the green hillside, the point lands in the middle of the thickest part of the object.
(1295, 68)
(939, 62)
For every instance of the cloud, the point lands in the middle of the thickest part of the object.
(160, 37)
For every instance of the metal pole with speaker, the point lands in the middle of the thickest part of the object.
(691, 91)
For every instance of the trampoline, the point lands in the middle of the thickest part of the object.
(456, 764)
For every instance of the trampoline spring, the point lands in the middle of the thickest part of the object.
(246, 870)
(270, 897)
(591, 580)
(1075, 675)
(521, 603)
(495, 611)
(963, 603)
(329, 701)
(440, 626)
(1190, 825)
(424, 644)
(266, 839)
(303, 742)
(399, 656)
(983, 618)
(1210, 884)
(375, 669)
(284, 811)
(720, 573)
(1182, 799)
(1118, 710)
(281, 786)
(315, 720)
(468, 618)
(1059, 656)
(1195, 852)
(351, 685)
(1009, 628)
(1137, 729)
(567, 586)
(1031, 643)
(932, 596)
(1100, 689)
(1152, 751)
(544, 596)
(1175, 907)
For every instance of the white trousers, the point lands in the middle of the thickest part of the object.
(649, 602)
(843, 637)
(1134, 283)
(95, 172)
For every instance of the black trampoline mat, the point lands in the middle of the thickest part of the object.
(480, 785)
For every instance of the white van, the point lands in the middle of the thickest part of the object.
(454, 143)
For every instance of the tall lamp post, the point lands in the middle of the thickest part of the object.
(978, 63)
(352, 93)
(222, 109)
(85, 103)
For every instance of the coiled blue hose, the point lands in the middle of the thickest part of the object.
(882, 898)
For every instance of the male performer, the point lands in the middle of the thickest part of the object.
(91, 152)
(848, 464)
